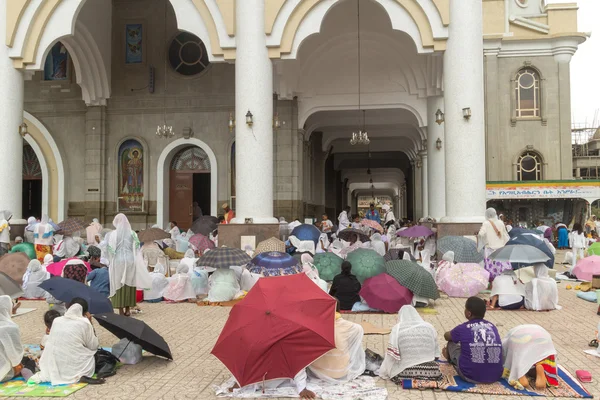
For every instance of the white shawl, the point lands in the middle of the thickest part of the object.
(32, 278)
(541, 293)
(127, 265)
(377, 244)
(159, 283)
(70, 349)
(91, 231)
(223, 285)
(523, 347)
(507, 284)
(180, 286)
(44, 232)
(412, 342)
(11, 350)
(303, 246)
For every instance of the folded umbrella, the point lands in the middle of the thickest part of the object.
(307, 232)
(372, 224)
(366, 263)
(56, 268)
(520, 255)
(136, 331)
(271, 244)
(465, 249)
(587, 267)
(14, 265)
(9, 287)
(152, 234)
(70, 226)
(349, 234)
(416, 231)
(462, 279)
(328, 264)
(282, 325)
(205, 225)
(413, 277)
(224, 257)
(535, 241)
(383, 292)
(201, 242)
(66, 290)
(274, 263)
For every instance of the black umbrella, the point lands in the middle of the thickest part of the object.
(205, 225)
(349, 233)
(66, 290)
(136, 331)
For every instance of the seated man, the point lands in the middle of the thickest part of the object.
(475, 347)
(69, 352)
(347, 361)
(541, 293)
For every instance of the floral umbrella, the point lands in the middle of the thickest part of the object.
(366, 263)
(462, 280)
(328, 264)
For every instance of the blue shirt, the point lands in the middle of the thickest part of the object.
(373, 216)
(99, 280)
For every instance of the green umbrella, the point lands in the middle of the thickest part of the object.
(366, 263)
(594, 249)
(413, 277)
(328, 264)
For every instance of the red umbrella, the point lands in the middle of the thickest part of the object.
(56, 268)
(281, 326)
(383, 292)
(201, 242)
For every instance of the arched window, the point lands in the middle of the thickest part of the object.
(529, 167)
(527, 91)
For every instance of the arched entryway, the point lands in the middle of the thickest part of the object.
(32, 184)
(187, 172)
(189, 184)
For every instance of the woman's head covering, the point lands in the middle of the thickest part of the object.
(45, 219)
(5, 214)
(490, 214)
(448, 256)
(104, 261)
(524, 346)
(31, 222)
(34, 266)
(121, 232)
(48, 259)
(306, 259)
(95, 220)
(75, 270)
(376, 237)
(10, 337)
(182, 269)
(409, 316)
(159, 269)
(541, 270)
(189, 253)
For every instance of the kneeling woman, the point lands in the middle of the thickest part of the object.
(412, 349)
(529, 353)
(507, 292)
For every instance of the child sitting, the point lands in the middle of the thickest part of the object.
(49, 318)
(475, 347)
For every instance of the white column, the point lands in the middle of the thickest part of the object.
(465, 138)
(424, 184)
(436, 168)
(254, 93)
(11, 116)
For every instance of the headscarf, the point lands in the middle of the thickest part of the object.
(31, 222)
(75, 270)
(121, 232)
(159, 283)
(10, 338)
(44, 230)
(189, 253)
(541, 293)
(412, 342)
(523, 347)
(377, 244)
(34, 275)
(507, 284)
(324, 240)
(223, 285)
(5, 215)
(48, 259)
(490, 214)
(448, 256)
(180, 286)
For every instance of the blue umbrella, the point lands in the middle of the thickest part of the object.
(307, 232)
(533, 239)
(519, 231)
(274, 263)
(66, 290)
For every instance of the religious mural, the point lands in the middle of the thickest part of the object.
(133, 43)
(57, 63)
(131, 176)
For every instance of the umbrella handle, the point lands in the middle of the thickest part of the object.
(124, 350)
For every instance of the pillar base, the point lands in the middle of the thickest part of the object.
(230, 234)
(457, 229)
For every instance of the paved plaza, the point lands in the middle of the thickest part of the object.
(191, 332)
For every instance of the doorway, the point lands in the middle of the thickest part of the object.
(31, 205)
(190, 181)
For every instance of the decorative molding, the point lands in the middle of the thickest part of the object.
(528, 24)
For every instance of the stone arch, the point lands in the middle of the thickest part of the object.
(297, 20)
(53, 180)
(163, 177)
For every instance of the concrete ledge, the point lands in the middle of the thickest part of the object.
(230, 234)
(457, 229)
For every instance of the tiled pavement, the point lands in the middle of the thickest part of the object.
(191, 332)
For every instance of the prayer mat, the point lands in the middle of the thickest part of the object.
(219, 303)
(23, 311)
(17, 387)
(568, 386)
(520, 309)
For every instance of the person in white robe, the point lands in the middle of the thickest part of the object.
(159, 284)
(309, 269)
(336, 247)
(541, 293)
(389, 218)
(347, 361)
(507, 292)
(48, 259)
(182, 243)
(5, 217)
(180, 286)
(11, 349)
(323, 244)
(29, 234)
(189, 259)
(67, 247)
(33, 277)
(343, 219)
(412, 342)
(377, 244)
(92, 231)
(174, 231)
(69, 352)
(223, 285)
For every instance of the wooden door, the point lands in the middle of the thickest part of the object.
(181, 197)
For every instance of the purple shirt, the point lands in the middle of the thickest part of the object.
(481, 350)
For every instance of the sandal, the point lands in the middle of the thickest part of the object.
(593, 343)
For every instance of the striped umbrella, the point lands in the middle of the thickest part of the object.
(224, 257)
(366, 263)
(70, 226)
(274, 263)
(465, 249)
(397, 254)
(413, 277)
(329, 265)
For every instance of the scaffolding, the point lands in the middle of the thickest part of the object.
(585, 142)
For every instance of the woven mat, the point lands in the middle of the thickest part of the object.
(17, 387)
(568, 385)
